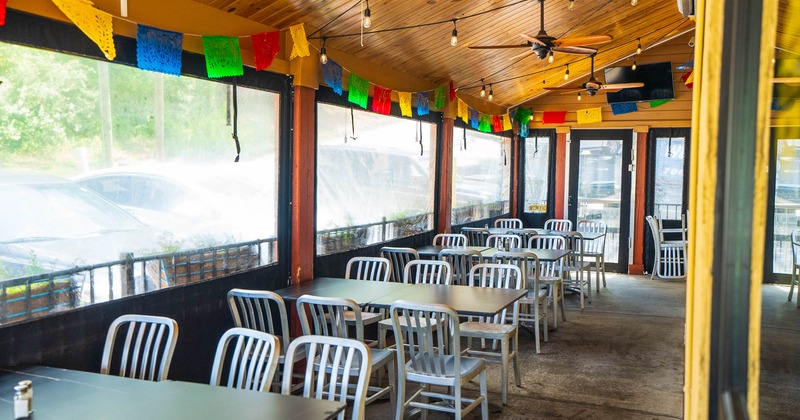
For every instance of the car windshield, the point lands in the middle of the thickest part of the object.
(56, 211)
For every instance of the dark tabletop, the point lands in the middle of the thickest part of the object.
(433, 250)
(362, 292)
(539, 231)
(70, 394)
(543, 254)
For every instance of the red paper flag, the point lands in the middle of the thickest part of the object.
(554, 117)
(265, 47)
(452, 91)
(382, 100)
(497, 124)
(3, 14)
(688, 79)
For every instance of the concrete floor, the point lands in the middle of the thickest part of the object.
(622, 357)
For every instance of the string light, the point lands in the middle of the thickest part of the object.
(491, 92)
(550, 57)
(566, 73)
(634, 2)
(483, 89)
(323, 57)
(571, 5)
(633, 67)
(454, 35)
(638, 46)
(579, 96)
(367, 17)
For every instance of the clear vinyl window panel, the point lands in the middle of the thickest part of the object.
(600, 188)
(537, 171)
(669, 164)
(481, 176)
(375, 178)
(106, 162)
(787, 202)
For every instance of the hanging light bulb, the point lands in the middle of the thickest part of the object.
(566, 73)
(633, 67)
(550, 57)
(367, 17)
(638, 46)
(323, 57)
(634, 2)
(491, 92)
(579, 96)
(454, 35)
(483, 89)
(571, 5)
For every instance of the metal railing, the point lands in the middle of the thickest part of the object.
(32, 296)
(331, 241)
(669, 211)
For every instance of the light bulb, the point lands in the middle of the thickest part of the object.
(638, 46)
(634, 2)
(550, 57)
(483, 89)
(323, 58)
(566, 74)
(454, 38)
(491, 92)
(367, 17)
(571, 5)
(633, 67)
(579, 96)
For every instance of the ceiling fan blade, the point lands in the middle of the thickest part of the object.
(521, 55)
(492, 47)
(533, 39)
(564, 89)
(787, 80)
(620, 86)
(583, 40)
(576, 50)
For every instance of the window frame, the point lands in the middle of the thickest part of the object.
(551, 175)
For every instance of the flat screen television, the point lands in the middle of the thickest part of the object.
(657, 79)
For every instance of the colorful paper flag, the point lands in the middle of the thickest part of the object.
(688, 79)
(497, 124)
(485, 124)
(266, 46)
(623, 108)
(523, 130)
(440, 97)
(522, 116)
(223, 56)
(474, 118)
(3, 13)
(299, 41)
(452, 91)
(506, 122)
(381, 100)
(159, 50)
(332, 74)
(422, 103)
(658, 103)
(463, 111)
(359, 91)
(405, 103)
(96, 24)
(590, 115)
(554, 117)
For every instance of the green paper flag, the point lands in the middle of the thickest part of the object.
(223, 56)
(359, 91)
(485, 124)
(659, 102)
(522, 116)
(440, 97)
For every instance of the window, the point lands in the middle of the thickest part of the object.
(108, 163)
(374, 178)
(787, 199)
(537, 173)
(669, 173)
(481, 173)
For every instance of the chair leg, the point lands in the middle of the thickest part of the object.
(504, 370)
(515, 358)
(554, 299)
(791, 283)
(603, 267)
(457, 401)
(485, 395)
(563, 312)
(536, 328)
(393, 383)
(424, 400)
(401, 397)
(381, 337)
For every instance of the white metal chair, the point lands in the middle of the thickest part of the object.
(508, 241)
(461, 261)
(328, 318)
(449, 239)
(551, 273)
(431, 361)
(558, 224)
(323, 379)
(670, 261)
(508, 223)
(533, 307)
(147, 348)
(524, 234)
(253, 361)
(594, 249)
(795, 264)
(575, 262)
(399, 257)
(503, 327)
(476, 236)
(368, 268)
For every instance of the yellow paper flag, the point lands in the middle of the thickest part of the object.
(463, 111)
(506, 122)
(96, 24)
(590, 115)
(405, 103)
(300, 47)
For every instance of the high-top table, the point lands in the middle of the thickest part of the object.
(71, 394)
(586, 235)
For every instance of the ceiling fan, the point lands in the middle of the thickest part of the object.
(592, 85)
(544, 45)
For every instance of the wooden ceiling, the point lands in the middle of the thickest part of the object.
(426, 52)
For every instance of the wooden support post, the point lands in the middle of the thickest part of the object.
(561, 172)
(303, 163)
(446, 177)
(638, 213)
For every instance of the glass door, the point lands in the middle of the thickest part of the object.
(784, 202)
(600, 187)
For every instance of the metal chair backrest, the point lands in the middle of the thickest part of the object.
(461, 261)
(547, 242)
(499, 276)
(558, 224)
(593, 246)
(577, 246)
(476, 236)
(147, 349)
(428, 272)
(431, 333)
(399, 257)
(508, 223)
(368, 268)
(257, 310)
(449, 239)
(323, 379)
(253, 361)
(327, 316)
(527, 262)
(654, 229)
(508, 240)
(524, 234)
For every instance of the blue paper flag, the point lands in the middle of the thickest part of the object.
(422, 103)
(159, 50)
(332, 73)
(523, 130)
(624, 108)
(474, 118)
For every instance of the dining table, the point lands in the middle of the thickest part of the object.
(589, 236)
(544, 255)
(72, 394)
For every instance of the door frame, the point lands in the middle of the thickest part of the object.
(626, 135)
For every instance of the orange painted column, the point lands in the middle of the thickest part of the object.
(638, 213)
(446, 177)
(303, 162)
(514, 147)
(561, 172)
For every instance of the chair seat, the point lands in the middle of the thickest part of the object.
(403, 323)
(367, 318)
(486, 329)
(379, 358)
(469, 366)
